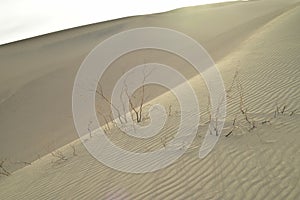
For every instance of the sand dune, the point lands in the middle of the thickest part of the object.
(258, 164)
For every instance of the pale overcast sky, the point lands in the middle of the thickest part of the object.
(22, 19)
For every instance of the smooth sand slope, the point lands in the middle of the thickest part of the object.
(259, 39)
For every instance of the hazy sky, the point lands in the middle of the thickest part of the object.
(21, 19)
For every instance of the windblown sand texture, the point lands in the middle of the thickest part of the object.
(258, 39)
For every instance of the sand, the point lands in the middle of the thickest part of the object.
(260, 39)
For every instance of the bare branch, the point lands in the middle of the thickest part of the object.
(58, 154)
(100, 93)
(170, 110)
(106, 121)
(3, 171)
(138, 111)
(74, 150)
(253, 126)
(230, 132)
(293, 112)
(23, 162)
(89, 128)
(233, 127)
(265, 122)
(233, 81)
(131, 104)
(283, 109)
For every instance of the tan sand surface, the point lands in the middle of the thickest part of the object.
(259, 39)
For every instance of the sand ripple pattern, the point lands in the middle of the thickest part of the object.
(259, 165)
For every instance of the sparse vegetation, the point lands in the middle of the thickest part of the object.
(23, 163)
(170, 110)
(58, 154)
(3, 170)
(233, 128)
(136, 108)
(138, 111)
(293, 112)
(74, 150)
(216, 117)
(236, 83)
(99, 91)
(251, 123)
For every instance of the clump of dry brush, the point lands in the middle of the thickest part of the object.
(242, 120)
(136, 104)
(243, 110)
(3, 170)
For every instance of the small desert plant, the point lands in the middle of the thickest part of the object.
(293, 112)
(252, 126)
(139, 110)
(121, 118)
(74, 150)
(3, 170)
(208, 111)
(280, 110)
(170, 110)
(242, 108)
(106, 120)
(216, 116)
(266, 122)
(235, 77)
(232, 129)
(23, 162)
(163, 141)
(58, 154)
(90, 129)
(283, 109)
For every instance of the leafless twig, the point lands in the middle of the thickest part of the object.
(283, 109)
(58, 154)
(266, 122)
(170, 110)
(74, 150)
(293, 112)
(235, 77)
(23, 162)
(100, 93)
(3, 171)
(232, 129)
(253, 126)
(138, 111)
